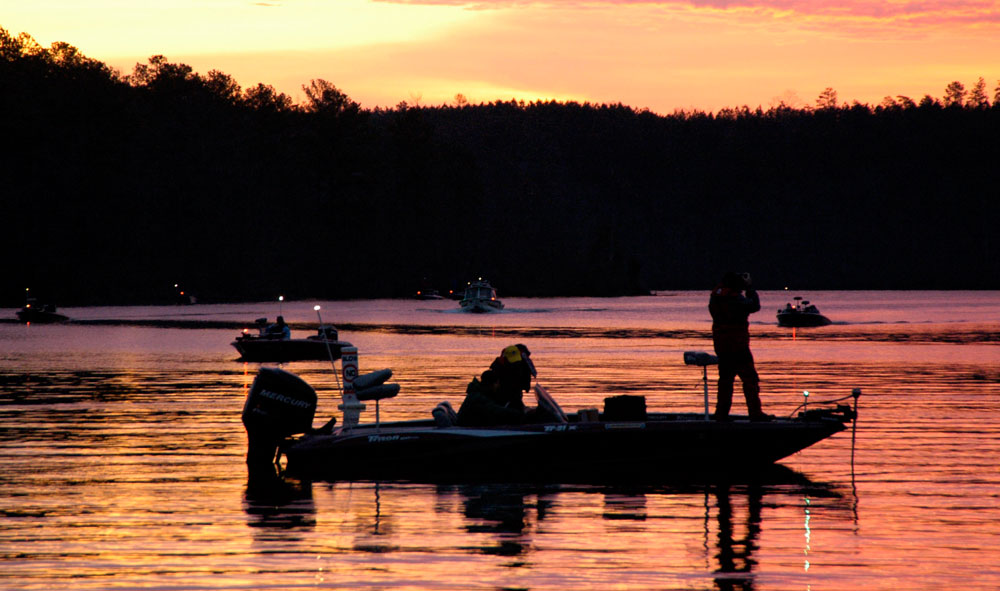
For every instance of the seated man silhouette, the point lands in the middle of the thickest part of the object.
(498, 398)
(514, 370)
(484, 406)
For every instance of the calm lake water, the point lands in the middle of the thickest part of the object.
(123, 453)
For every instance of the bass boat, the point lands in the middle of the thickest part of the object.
(268, 345)
(621, 441)
(33, 312)
(801, 314)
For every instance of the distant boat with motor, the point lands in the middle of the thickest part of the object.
(428, 294)
(480, 296)
(622, 441)
(182, 297)
(801, 314)
(271, 344)
(455, 292)
(33, 312)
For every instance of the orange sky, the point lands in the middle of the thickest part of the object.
(661, 55)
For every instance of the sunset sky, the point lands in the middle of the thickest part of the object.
(657, 54)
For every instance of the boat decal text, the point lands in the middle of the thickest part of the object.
(285, 399)
(385, 438)
(624, 425)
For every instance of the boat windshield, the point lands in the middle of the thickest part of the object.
(480, 293)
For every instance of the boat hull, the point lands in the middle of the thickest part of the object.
(277, 350)
(802, 319)
(480, 296)
(661, 446)
(40, 317)
(481, 306)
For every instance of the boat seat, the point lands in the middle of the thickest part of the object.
(370, 380)
(379, 392)
(445, 415)
(700, 358)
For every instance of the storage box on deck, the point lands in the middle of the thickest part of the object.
(625, 408)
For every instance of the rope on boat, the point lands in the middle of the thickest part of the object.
(844, 410)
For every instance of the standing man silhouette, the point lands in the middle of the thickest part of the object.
(730, 309)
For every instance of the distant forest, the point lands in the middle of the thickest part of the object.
(118, 186)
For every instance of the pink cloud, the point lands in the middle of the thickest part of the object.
(918, 13)
(664, 55)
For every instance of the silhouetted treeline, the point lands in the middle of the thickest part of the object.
(116, 187)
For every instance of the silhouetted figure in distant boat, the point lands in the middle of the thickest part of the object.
(279, 330)
(730, 309)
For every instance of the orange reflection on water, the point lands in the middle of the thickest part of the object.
(491, 535)
(123, 457)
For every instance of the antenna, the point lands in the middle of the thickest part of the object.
(329, 351)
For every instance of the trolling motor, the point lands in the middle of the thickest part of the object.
(703, 360)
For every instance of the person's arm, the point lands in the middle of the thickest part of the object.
(752, 300)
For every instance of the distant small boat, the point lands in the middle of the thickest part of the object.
(271, 345)
(801, 314)
(428, 294)
(182, 297)
(39, 313)
(480, 296)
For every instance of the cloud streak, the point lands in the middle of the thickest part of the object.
(657, 54)
(913, 13)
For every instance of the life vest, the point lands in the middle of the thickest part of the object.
(730, 319)
(514, 370)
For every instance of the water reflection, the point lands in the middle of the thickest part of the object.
(279, 509)
(624, 506)
(710, 529)
(123, 459)
(736, 547)
(377, 539)
(503, 510)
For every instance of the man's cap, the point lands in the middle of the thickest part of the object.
(519, 352)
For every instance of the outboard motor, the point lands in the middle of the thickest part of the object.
(278, 405)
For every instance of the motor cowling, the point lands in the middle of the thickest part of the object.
(278, 405)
